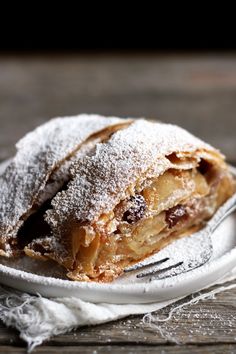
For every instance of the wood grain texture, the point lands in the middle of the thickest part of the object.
(141, 349)
(209, 324)
(197, 92)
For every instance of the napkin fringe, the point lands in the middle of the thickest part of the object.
(26, 313)
(153, 321)
(37, 318)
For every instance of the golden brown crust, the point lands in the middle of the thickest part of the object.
(91, 240)
(133, 188)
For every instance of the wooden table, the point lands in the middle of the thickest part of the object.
(197, 92)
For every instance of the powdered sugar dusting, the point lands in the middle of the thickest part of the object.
(62, 174)
(102, 179)
(39, 153)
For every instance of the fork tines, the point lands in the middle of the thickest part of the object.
(142, 265)
(157, 272)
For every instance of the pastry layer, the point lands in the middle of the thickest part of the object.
(41, 167)
(147, 185)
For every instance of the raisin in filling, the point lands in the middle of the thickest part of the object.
(136, 210)
(175, 214)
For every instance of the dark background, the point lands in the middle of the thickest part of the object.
(141, 29)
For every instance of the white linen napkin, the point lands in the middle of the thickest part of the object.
(38, 318)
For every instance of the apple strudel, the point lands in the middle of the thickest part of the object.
(119, 192)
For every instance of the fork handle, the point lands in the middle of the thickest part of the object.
(225, 210)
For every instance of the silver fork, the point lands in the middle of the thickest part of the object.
(197, 247)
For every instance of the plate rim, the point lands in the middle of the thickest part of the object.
(44, 280)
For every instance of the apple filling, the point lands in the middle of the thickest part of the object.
(168, 207)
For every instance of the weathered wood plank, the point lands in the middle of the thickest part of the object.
(208, 322)
(197, 92)
(144, 349)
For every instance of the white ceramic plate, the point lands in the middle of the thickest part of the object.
(49, 280)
